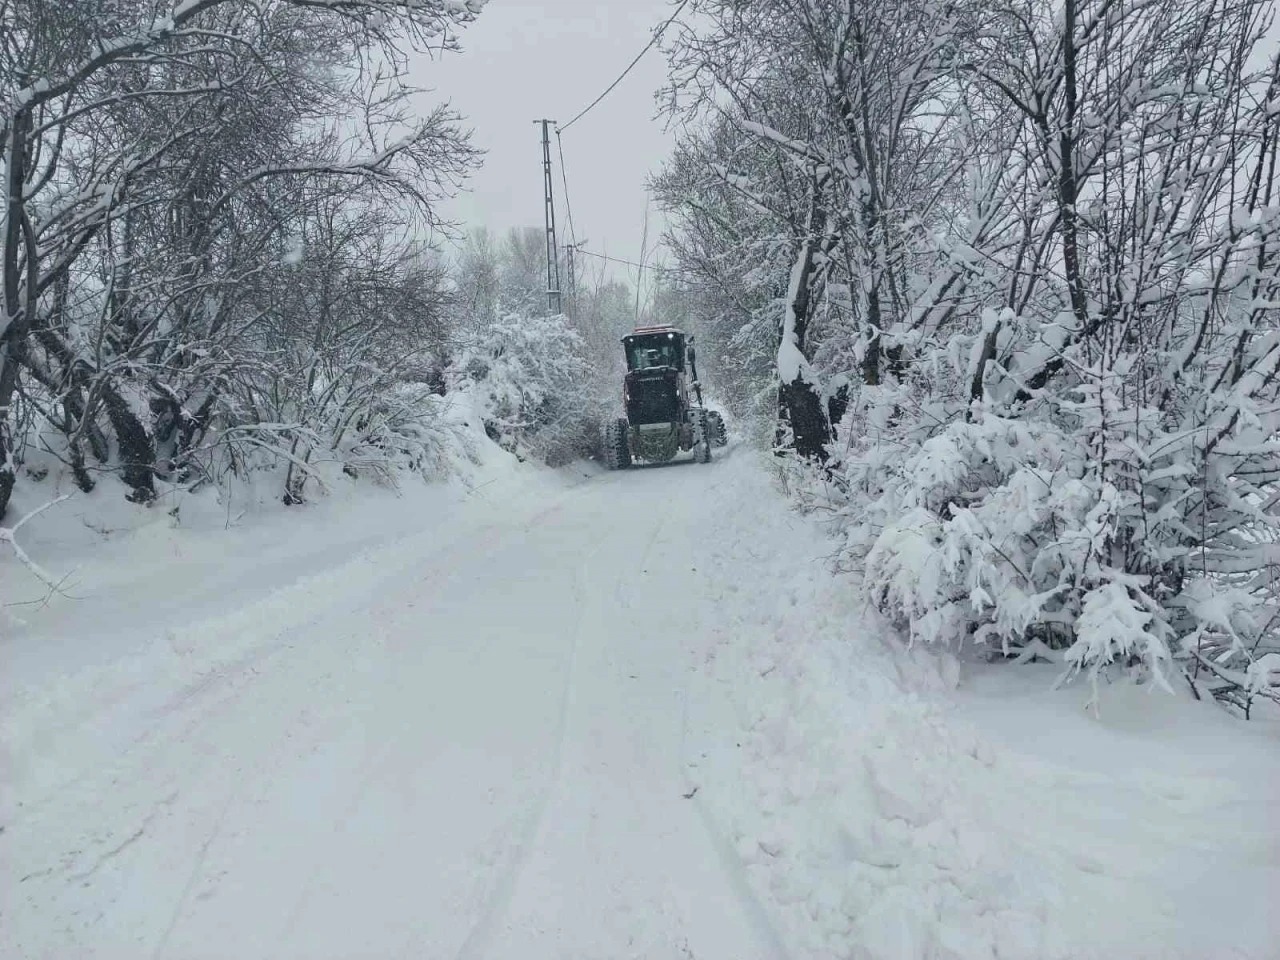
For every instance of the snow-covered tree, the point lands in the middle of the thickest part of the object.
(532, 379)
(155, 160)
(1038, 242)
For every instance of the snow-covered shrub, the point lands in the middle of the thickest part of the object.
(370, 423)
(532, 381)
(1080, 530)
(403, 427)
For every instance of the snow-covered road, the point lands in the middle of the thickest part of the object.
(469, 745)
(577, 716)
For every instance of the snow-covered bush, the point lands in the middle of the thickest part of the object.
(996, 530)
(532, 381)
(370, 423)
(1080, 530)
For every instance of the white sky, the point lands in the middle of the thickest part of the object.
(527, 59)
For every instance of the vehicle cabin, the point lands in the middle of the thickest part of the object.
(649, 348)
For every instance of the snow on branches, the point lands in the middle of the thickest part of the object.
(1047, 288)
(160, 164)
(532, 378)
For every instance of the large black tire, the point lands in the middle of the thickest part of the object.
(617, 455)
(715, 423)
(701, 437)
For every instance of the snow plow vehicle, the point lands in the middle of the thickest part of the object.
(662, 399)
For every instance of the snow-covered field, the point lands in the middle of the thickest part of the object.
(570, 714)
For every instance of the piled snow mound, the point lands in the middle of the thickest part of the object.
(880, 823)
(73, 525)
(155, 591)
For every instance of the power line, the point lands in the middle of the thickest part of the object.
(571, 247)
(657, 35)
(657, 268)
(601, 256)
(573, 236)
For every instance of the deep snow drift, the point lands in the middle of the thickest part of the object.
(562, 715)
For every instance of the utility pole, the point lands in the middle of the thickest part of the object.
(549, 212)
(644, 253)
(571, 288)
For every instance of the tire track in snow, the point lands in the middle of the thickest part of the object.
(197, 869)
(498, 902)
(661, 549)
(727, 858)
(376, 763)
(372, 762)
(726, 855)
(226, 685)
(736, 878)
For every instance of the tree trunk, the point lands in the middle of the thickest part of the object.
(137, 452)
(799, 399)
(1068, 188)
(15, 320)
(810, 430)
(837, 407)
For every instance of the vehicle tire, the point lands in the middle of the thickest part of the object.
(715, 423)
(617, 455)
(701, 437)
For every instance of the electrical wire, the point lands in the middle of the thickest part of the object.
(657, 35)
(601, 256)
(564, 179)
(668, 271)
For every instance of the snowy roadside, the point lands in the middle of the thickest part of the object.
(894, 804)
(155, 604)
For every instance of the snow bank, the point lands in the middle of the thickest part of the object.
(172, 595)
(887, 806)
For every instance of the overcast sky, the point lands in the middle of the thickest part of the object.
(527, 59)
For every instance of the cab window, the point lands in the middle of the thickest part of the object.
(657, 350)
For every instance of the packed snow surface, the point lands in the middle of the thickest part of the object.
(577, 715)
